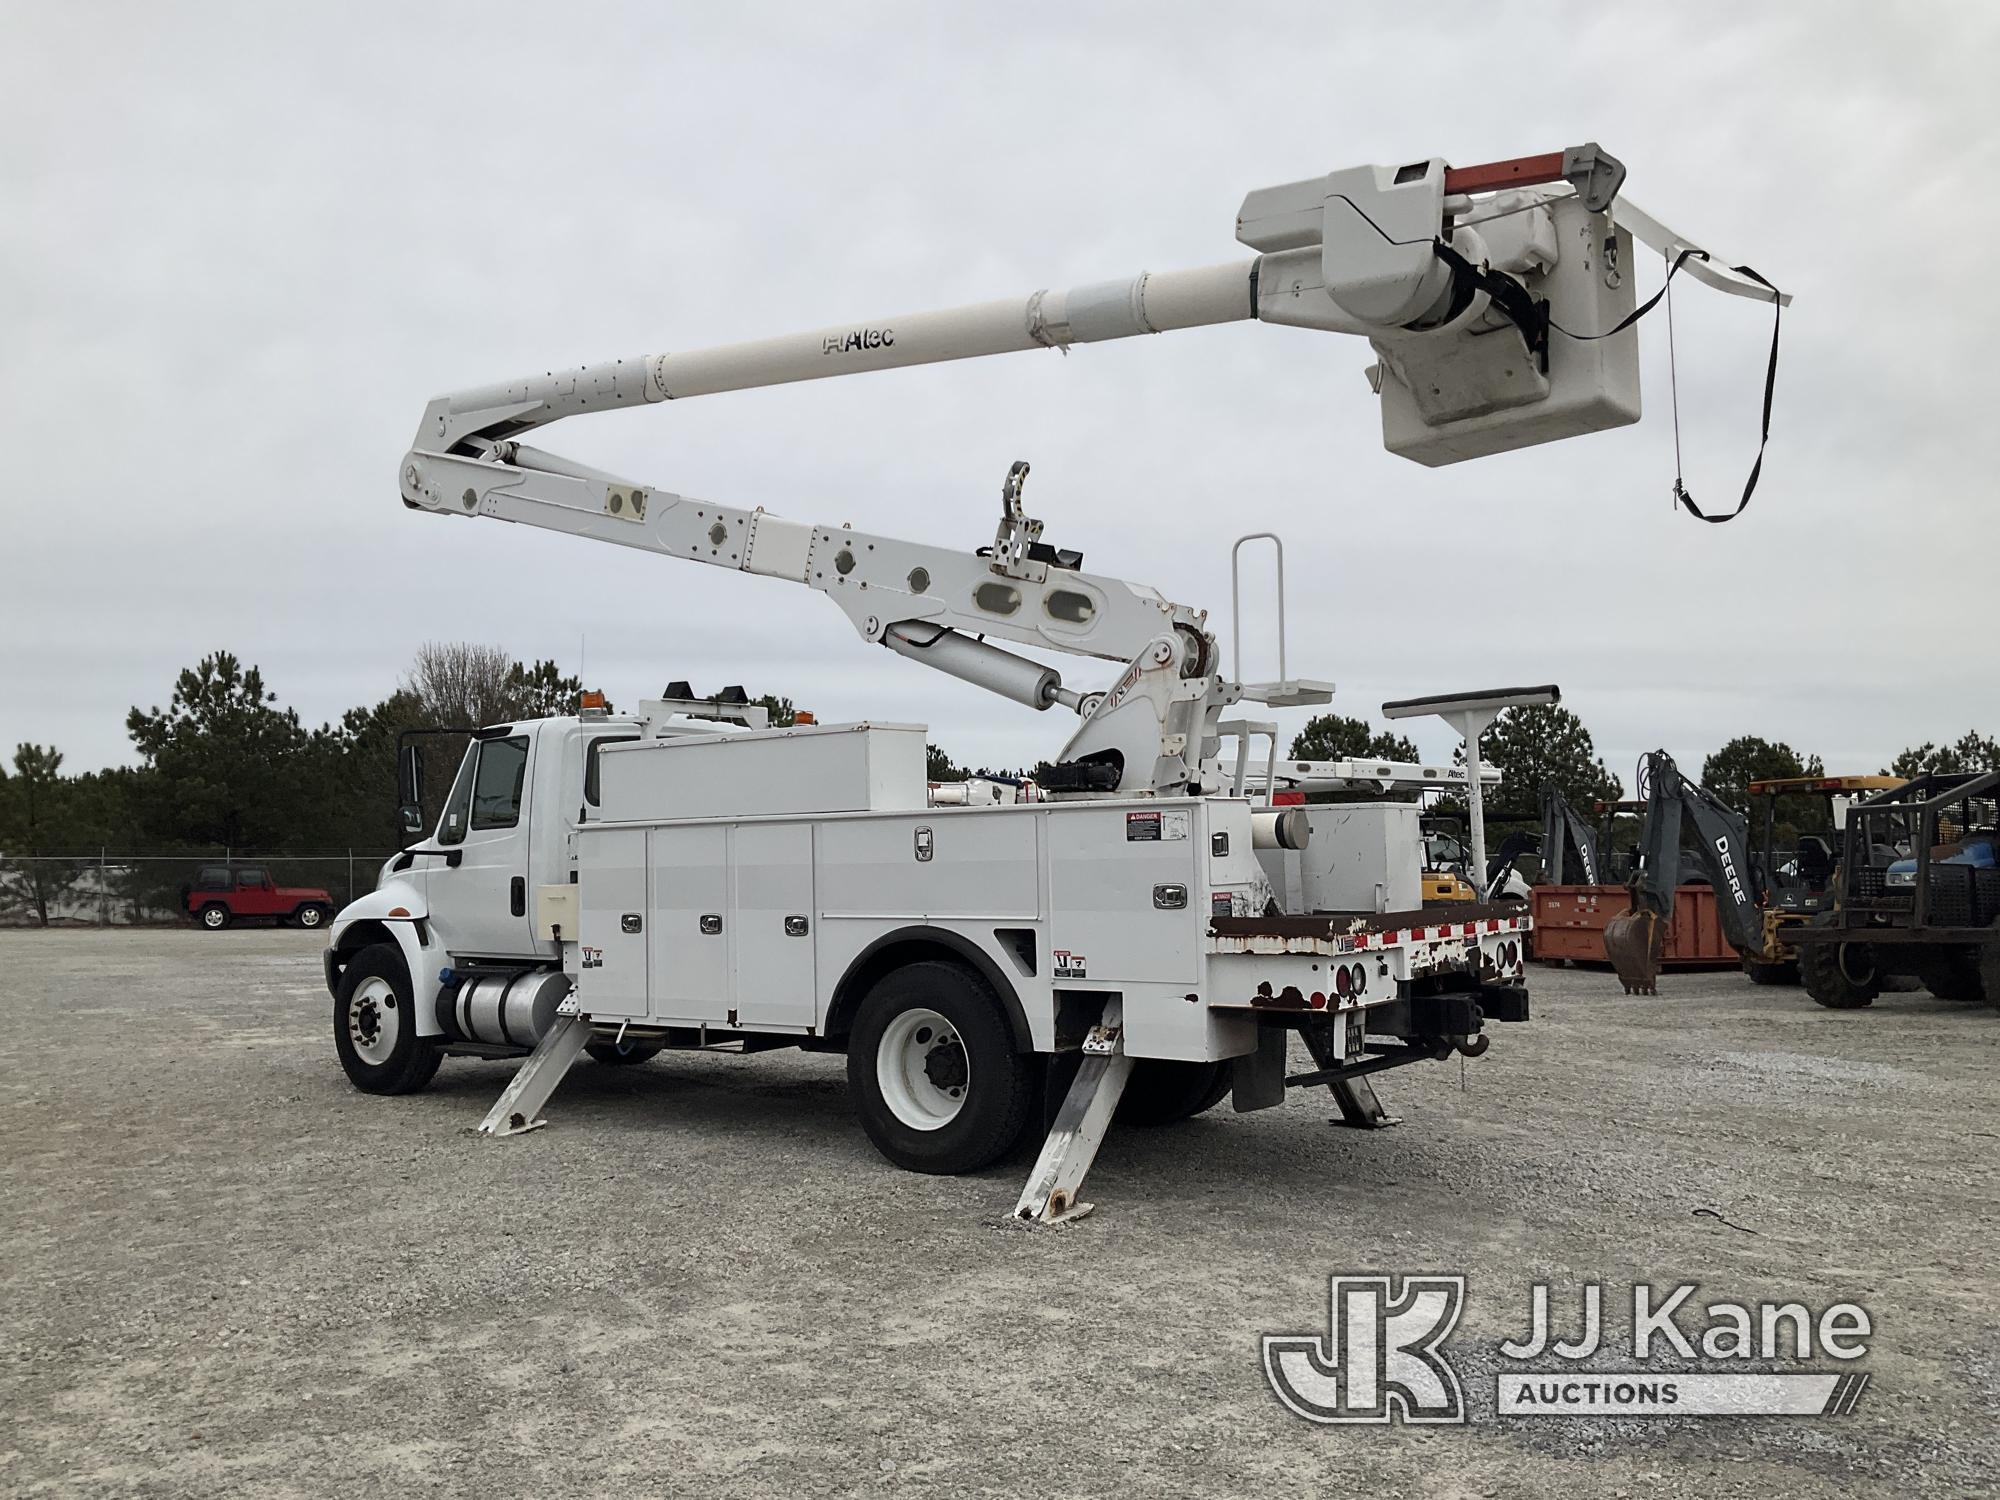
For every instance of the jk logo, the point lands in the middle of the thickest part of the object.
(1381, 1360)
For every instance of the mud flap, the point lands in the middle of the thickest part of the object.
(1259, 1077)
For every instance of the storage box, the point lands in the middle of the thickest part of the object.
(819, 768)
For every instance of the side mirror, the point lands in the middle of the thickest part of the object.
(410, 787)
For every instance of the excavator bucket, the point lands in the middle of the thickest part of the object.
(1635, 941)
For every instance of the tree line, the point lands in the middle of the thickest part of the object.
(1549, 744)
(223, 766)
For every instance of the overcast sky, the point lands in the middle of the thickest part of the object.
(241, 247)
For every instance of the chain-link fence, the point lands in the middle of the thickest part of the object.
(109, 888)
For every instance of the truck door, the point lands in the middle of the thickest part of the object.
(481, 907)
(771, 907)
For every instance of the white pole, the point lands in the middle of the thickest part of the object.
(1472, 725)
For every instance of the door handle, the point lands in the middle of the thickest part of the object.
(797, 927)
(711, 923)
(517, 895)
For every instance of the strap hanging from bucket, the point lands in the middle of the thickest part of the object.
(1681, 494)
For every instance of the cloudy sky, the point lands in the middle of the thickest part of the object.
(241, 246)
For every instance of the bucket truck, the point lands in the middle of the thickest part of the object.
(689, 876)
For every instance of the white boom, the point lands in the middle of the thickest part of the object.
(1462, 280)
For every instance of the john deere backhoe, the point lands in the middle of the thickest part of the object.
(1635, 941)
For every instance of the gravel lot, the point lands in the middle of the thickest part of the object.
(227, 1272)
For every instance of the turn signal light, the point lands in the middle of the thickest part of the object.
(802, 717)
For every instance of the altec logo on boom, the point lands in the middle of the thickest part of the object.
(1383, 1357)
(861, 338)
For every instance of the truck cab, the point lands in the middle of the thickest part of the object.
(507, 826)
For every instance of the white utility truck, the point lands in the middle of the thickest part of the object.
(1145, 935)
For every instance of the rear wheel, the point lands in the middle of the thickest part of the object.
(213, 916)
(1952, 974)
(934, 1073)
(1160, 1092)
(1840, 976)
(375, 1026)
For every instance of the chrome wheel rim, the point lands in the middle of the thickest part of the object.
(922, 1070)
(374, 1021)
(310, 917)
(213, 917)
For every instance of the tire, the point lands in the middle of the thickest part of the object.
(1763, 973)
(1953, 975)
(374, 1026)
(311, 915)
(1840, 976)
(622, 1054)
(1989, 971)
(934, 1073)
(214, 916)
(1165, 1093)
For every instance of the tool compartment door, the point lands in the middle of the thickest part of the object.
(1105, 864)
(691, 935)
(611, 917)
(773, 916)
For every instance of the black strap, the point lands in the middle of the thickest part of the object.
(1770, 377)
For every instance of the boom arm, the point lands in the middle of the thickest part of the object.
(1722, 847)
(1564, 832)
(1450, 273)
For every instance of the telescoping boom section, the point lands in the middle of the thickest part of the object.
(1144, 938)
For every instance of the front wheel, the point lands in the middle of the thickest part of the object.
(375, 1026)
(311, 916)
(934, 1072)
(1840, 976)
(625, 1054)
(1763, 973)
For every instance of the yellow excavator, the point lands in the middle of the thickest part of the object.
(1798, 879)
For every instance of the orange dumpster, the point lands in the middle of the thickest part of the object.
(1570, 919)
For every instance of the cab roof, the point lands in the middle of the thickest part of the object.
(1777, 786)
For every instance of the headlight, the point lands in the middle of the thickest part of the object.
(1902, 877)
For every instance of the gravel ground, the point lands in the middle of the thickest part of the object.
(227, 1272)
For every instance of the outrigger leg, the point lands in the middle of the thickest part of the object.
(519, 1107)
(1050, 1196)
(1359, 1107)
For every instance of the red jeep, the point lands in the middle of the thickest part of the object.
(220, 896)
